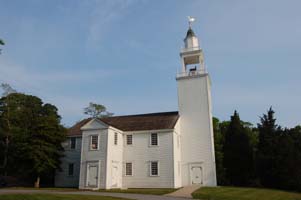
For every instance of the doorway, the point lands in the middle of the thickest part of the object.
(196, 174)
(92, 175)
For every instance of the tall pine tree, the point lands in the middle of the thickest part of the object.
(238, 153)
(269, 132)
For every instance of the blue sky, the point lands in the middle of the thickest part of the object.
(125, 54)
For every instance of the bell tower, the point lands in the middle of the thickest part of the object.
(192, 53)
(196, 127)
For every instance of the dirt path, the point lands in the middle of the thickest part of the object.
(184, 192)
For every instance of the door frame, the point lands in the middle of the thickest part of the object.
(92, 164)
(196, 164)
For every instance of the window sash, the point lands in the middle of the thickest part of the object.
(72, 143)
(129, 139)
(71, 169)
(115, 138)
(94, 142)
(128, 169)
(154, 168)
(154, 139)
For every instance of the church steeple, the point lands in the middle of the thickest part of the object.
(191, 55)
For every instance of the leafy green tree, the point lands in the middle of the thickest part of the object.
(6, 132)
(97, 111)
(35, 135)
(238, 153)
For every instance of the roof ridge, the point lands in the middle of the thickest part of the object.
(146, 114)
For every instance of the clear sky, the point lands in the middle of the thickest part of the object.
(125, 54)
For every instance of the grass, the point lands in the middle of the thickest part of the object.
(236, 193)
(153, 191)
(54, 197)
(48, 188)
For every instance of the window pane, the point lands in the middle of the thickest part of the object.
(70, 169)
(154, 139)
(128, 169)
(129, 139)
(73, 143)
(154, 168)
(94, 142)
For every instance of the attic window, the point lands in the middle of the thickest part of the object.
(94, 142)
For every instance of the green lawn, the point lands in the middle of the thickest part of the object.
(53, 197)
(236, 193)
(154, 191)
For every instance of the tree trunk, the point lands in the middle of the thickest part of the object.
(37, 183)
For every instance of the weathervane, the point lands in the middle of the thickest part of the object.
(190, 20)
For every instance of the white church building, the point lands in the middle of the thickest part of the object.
(156, 150)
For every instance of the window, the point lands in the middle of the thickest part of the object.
(154, 139)
(128, 169)
(154, 168)
(72, 143)
(116, 138)
(94, 142)
(129, 139)
(70, 169)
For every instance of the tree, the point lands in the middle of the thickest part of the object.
(97, 111)
(269, 132)
(7, 89)
(219, 154)
(6, 132)
(238, 153)
(35, 135)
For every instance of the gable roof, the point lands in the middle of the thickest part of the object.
(151, 121)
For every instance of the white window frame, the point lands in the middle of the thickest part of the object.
(115, 138)
(132, 169)
(74, 143)
(126, 139)
(150, 168)
(150, 140)
(91, 149)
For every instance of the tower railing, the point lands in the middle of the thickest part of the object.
(191, 73)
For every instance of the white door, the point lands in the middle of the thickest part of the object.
(92, 175)
(196, 175)
(115, 176)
